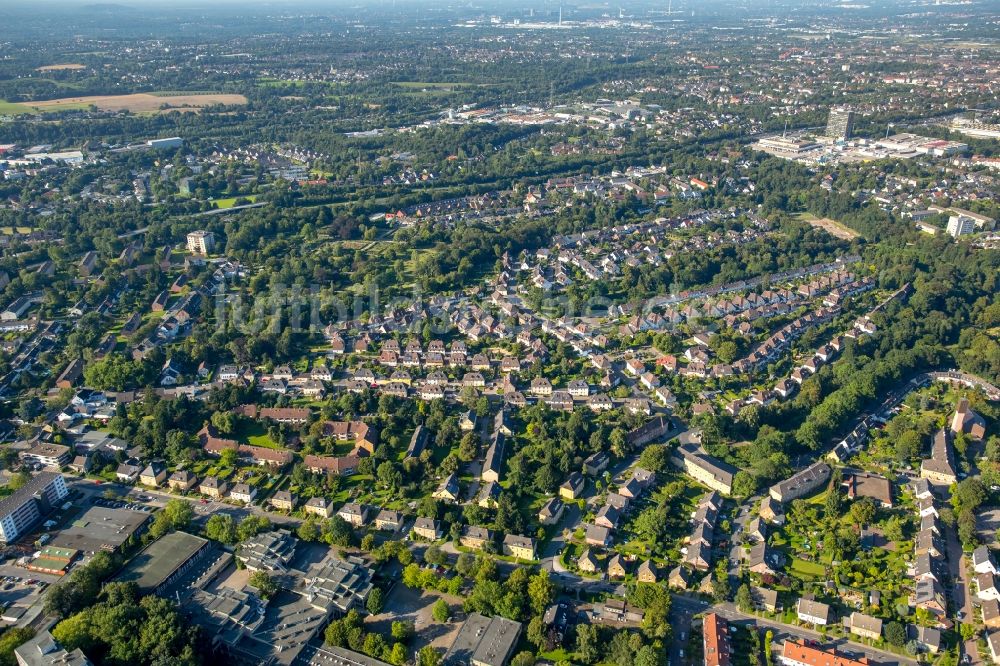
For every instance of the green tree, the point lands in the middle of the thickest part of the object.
(895, 633)
(744, 600)
(540, 591)
(587, 643)
(441, 611)
(428, 656)
(863, 511)
(74, 632)
(374, 601)
(11, 640)
(18, 480)
(308, 530)
(221, 527)
(266, 586)
(523, 659)
(403, 631)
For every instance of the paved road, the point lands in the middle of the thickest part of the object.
(685, 607)
(202, 510)
(961, 589)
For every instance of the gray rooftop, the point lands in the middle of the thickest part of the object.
(486, 641)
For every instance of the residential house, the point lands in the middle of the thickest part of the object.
(427, 528)
(616, 567)
(154, 474)
(865, 626)
(716, 646)
(986, 586)
(475, 537)
(520, 547)
(940, 467)
(813, 612)
(982, 561)
(588, 563)
(597, 535)
(679, 578)
(243, 492)
(449, 490)
(319, 506)
(389, 520)
(283, 500)
(182, 480)
(764, 598)
(213, 487)
(595, 464)
(801, 483)
(354, 513)
(551, 512)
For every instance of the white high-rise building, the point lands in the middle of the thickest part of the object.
(19, 512)
(961, 225)
(200, 242)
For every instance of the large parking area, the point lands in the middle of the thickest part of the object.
(119, 504)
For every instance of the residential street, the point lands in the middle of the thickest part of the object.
(684, 608)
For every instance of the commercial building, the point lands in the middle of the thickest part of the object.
(101, 528)
(20, 511)
(164, 561)
(163, 144)
(484, 641)
(200, 242)
(840, 123)
(787, 145)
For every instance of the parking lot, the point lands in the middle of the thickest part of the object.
(118, 504)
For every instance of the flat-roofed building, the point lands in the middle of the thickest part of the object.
(164, 561)
(268, 551)
(46, 454)
(484, 641)
(102, 528)
(200, 242)
(337, 585)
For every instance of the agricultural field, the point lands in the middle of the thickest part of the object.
(66, 66)
(135, 103)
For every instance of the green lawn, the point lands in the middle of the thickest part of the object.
(229, 202)
(804, 568)
(255, 434)
(12, 108)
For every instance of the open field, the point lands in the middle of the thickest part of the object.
(229, 202)
(61, 66)
(442, 85)
(11, 108)
(832, 227)
(136, 103)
